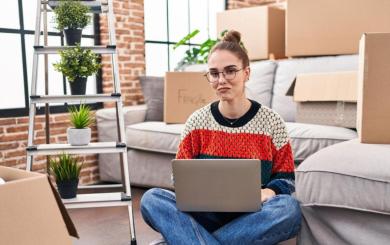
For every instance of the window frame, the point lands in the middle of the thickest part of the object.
(168, 42)
(24, 111)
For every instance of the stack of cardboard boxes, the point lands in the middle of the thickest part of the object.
(331, 27)
(317, 28)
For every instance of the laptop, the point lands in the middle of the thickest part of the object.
(217, 185)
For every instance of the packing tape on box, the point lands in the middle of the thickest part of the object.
(2, 181)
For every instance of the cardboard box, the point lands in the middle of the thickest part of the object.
(331, 27)
(31, 211)
(262, 30)
(184, 93)
(326, 98)
(373, 117)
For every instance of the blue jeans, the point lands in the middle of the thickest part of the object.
(278, 220)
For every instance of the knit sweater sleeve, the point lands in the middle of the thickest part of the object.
(188, 146)
(282, 177)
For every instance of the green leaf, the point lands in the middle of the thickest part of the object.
(77, 62)
(71, 14)
(186, 39)
(81, 117)
(195, 51)
(65, 167)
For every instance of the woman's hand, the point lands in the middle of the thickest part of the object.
(266, 194)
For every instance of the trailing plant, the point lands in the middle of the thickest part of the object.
(81, 117)
(65, 167)
(77, 62)
(72, 15)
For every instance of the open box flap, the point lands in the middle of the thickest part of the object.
(68, 221)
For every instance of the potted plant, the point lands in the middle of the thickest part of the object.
(71, 17)
(66, 170)
(76, 65)
(80, 118)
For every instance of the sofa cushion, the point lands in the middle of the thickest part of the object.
(348, 175)
(287, 70)
(154, 136)
(107, 124)
(307, 139)
(259, 86)
(153, 90)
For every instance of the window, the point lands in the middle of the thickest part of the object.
(168, 21)
(17, 26)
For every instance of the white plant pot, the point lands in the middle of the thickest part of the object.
(79, 136)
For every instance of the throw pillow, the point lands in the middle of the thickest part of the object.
(153, 90)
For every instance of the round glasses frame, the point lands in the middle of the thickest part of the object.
(227, 77)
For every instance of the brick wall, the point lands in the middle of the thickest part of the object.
(129, 26)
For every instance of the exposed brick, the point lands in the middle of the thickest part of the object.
(7, 121)
(136, 6)
(89, 164)
(8, 162)
(42, 119)
(59, 125)
(53, 131)
(91, 157)
(138, 13)
(14, 129)
(8, 146)
(21, 160)
(61, 118)
(39, 166)
(95, 178)
(22, 120)
(85, 172)
(13, 137)
(16, 153)
(40, 141)
(62, 139)
(41, 158)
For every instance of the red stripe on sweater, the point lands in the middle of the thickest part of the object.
(283, 160)
(223, 144)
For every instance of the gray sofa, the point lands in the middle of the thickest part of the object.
(153, 144)
(344, 192)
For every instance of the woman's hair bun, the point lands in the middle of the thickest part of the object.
(232, 36)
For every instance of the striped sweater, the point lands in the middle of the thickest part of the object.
(258, 134)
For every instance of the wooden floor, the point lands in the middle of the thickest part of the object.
(110, 226)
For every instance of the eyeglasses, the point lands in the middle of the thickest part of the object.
(228, 74)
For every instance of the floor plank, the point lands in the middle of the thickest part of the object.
(110, 226)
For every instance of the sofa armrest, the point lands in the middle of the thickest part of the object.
(106, 120)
